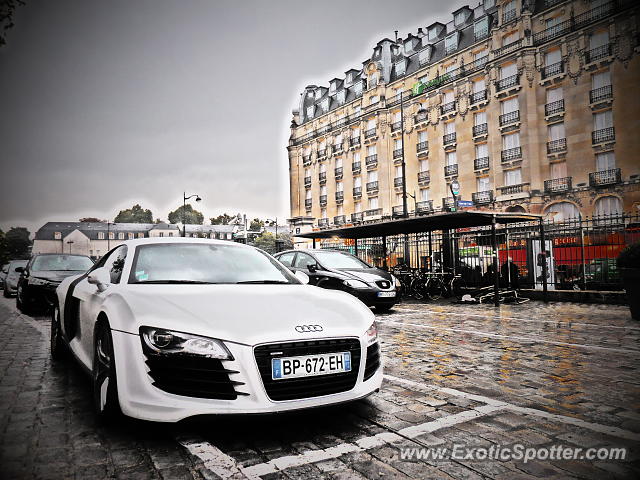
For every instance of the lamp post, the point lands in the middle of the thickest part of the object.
(69, 242)
(108, 237)
(184, 207)
(455, 190)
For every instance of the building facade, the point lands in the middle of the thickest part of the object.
(529, 105)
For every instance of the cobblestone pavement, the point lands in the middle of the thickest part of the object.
(474, 376)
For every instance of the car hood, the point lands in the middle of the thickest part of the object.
(55, 275)
(369, 275)
(247, 314)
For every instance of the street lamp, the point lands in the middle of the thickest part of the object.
(69, 242)
(184, 207)
(455, 190)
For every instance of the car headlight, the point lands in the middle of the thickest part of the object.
(170, 342)
(38, 281)
(372, 334)
(396, 282)
(355, 284)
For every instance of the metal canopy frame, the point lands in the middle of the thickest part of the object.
(440, 221)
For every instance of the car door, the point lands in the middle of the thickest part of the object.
(287, 259)
(90, 301)
(302, 262)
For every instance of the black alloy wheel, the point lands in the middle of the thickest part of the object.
(58, 347)
(105, 389)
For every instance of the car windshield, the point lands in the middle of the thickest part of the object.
(205, 263)
(340, 260)
(74, 263)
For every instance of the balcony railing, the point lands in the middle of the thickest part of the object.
(557, 185)
(554, 107)
(323, 222)
(308, 203)
(507, 82)
(550, 3)
(357, 191)
(605, 177)
(397, 211)
(480, 34)
(450, 49)
(356, 217)
(354, 141)
(509, 189)
(339, 195)
(449, 138)
(424, 177)
(603, 135)
(476, 97)
(447, 202)
(450, 170)
(370, 133)
(508, 16)
(597, 53)
(482, 198)
(337, 148)
(307, 181)
(422, 146)
(480, 129)
(397, 153)
(322, 176)
(510, 117)
(371, 160)
(599, 94)
(322, 152)
(323, 200)
(552, 70)
(447, 107)
(481, 163)
(338, 172)
(395, 126)
(552, 32)
(372, 187)
(557, 146)
(507, 48)
(422, 117)
(339, 220)
(355, 167)
(425, 206)
(511, 154)
(397, 182)
(373, 212)
(306, 159)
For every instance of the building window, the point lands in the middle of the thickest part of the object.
(556, 132)
(100, 235)
(424, 165)
(308, 195)
(374, 99)
(400, 68)
(357, 182)
(323, 213)
(318, 94)
(424, 55)
(558, 170)
(489, 4)
(349, 78)
(325, 105)
(449, 128)
(598, 39)
(433, 33)
(373, 203)
(140, 235)
(479, 118)
(373, 80)
(554, 95)
(451, 159)
(481, 28)
(510, 38)
(602, 120)
(513, 177)
(340, 97)
(424, 194)
(511, 141)
(310, 111)
(121, 236)
(112, 235)
(357, 88)
(509, 12)
(482, 150)
(130, 236)
(357, 207)
(459, 18)
(608, 206)
(479, 86)
(483, 184)
(451, 43)
(507, 71)
(600, 79)
(161, 234)
(561, 211)
(171, 234)
(57, 235)
(372, 176)
(338, 162)
(605, 161)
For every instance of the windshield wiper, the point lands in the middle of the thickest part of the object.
(198, 282)
(262, 282)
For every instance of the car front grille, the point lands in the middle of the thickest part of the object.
(191, 376)
(383, 284)
(306, 387)
(373, 360)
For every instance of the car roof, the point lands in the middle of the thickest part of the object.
(166, 240)
(59, 254)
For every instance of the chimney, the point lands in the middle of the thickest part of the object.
(396, 32)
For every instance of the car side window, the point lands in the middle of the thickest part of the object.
(303, 260)
(287, 258)
(115, 263)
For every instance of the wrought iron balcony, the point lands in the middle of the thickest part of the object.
(450, 170)
(551, 3)
(373, 212)
(354, 141)
(507, 82)
(339, 220)
(395, 126)
(397, 182)
(447, 107)
(482, 198)
(424, 177)
(338, 172)
(322, 176)
(557, 185)
(391, 101)
(370, 133)
(449, 138)
(509, 189)
(510, 117)
(599, 94)
(372, 187)
(306, 159)
(371, 160)
(424, 206)
(557, 146)
(323, 200)
(552, 70)
(481, 163)
(356, 217)
(480, 129)
(422, 146)
(597, 53)
(421, 117)
(308, 203)
(323, 222)
(508, 15)
(397, 153)
(339, 195)
(322, 153)
(355, 167)
(511, 154)
(357, 191)
(554, 107)
(509, 47)
(478, 96)
(605, 177)
(337, 148)
(552, 32)
(397, 211)
(307, 181)
(603, 135)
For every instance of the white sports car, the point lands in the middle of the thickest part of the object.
(175, 327)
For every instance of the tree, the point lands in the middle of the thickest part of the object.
(267, 242)
(135, 214)
(4, 258)
(91, 220)
(256, 225)
(191, 216)
(16, 244)
(7, 8)
(221, 219)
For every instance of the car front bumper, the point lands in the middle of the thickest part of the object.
(40, 294)
(370, 296)
(139, 398)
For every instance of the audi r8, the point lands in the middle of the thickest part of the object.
(174, 327)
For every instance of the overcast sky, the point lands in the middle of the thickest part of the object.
(104, 104)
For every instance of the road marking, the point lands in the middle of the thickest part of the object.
(596, 427)
(216, 461)
(508, 337)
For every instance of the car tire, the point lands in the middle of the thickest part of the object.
(58, 346)
(5, 293)
(383, 308)
(20, 301)
(104, 381)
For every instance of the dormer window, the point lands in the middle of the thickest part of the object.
(357, 88)
(424, 56)
(451, 43)
(332, 87)
(373, 80)
(400, 68)
(325, 104)
(481, 28)
(318, 94)
(489, 4)
(340, 97)
(459, 18)
(349, 78)
(433, 34)
(408, 46)
(57, 235)
(310, 110)
(395, 49)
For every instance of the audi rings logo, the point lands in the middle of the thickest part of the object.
(308, 328)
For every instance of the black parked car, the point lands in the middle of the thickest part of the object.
(343, 271)
(10, 279)
(42, 275)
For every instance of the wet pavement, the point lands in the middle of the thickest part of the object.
(469, 378)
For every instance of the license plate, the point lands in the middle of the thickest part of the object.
(310, 365)
(386, 294)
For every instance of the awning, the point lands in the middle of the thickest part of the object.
(427, 223)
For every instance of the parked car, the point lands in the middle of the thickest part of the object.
(10, 282)
(4, 269)
(337, 270)
(42, 275)
(175, 327)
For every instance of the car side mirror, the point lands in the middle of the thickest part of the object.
(19, 269)
(100, 277)
(312, 267)
(303, 277)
